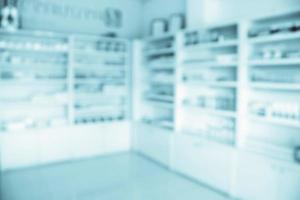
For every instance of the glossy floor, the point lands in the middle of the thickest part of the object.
(118, 177)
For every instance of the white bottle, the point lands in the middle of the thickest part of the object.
(9, 18)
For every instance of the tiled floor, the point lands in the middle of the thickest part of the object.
(119, 177)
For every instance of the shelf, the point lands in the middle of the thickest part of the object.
(161, 104)
(96, 38)
(221, 113)
(270, 150)
(101, 68)
(30, 66)
(17, 105)
(160, 37)
(96, 112)
(275, 38)
(279, 122)
(35, 50)
(32, 82)
(34, 34)
(164, 125)
(198, 64)
(162, 66)
(99, 94)
(164, 51)
(275, 62)
(95, 81)
(212, 45)
(276, 86)
(205, 137)
(100, 53)
(159, 97)
(165, 82)
(34, 129)
(227, 84)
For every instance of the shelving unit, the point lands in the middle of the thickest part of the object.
(85, 78)
(208, 82)
(158, 87)
(63, 97)
(33, 81)
(154, 99)
(274, 79)
(101, 79)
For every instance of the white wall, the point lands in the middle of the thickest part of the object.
(160, 9)
(223, 11)
(31, 19)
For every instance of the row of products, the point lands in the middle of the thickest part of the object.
(100, 75)
(105, 46)
(208, 75)
(24, 44)
(163, 77)
(159, 98)
(274, 52)
(276, 110)
(11, 58)
(35, 99)
(162, 89)
(98, 119)
(100, 89)
(8, 75)
(276, 76)
(163, 93)
(196, 37)
(167, 60)
(165, 122)
(208, 57)
(158, 117)
(31, 123)
(213, 101)
(100, 62)
(220, 130)
(160, 44)
(274, 29)
(100, 103)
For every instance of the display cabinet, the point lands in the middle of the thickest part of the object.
(33, 81)
(274, 92)
(101, 79)
(158, 86)
(208, 83)
(154, 76)
(63, 97)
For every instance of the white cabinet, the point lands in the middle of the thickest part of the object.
(261, 178)
(19, 150)
(99, 139)
(117, 138)
(88, 140)
(214, 164)
(153, 142)
(54, 145)
(289, 183)
(257, 178)
(40, 147)
(206, 161)
(183, 158)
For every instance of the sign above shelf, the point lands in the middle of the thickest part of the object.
(93, 17)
